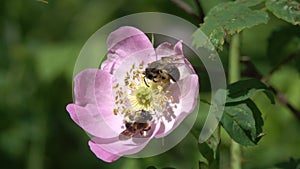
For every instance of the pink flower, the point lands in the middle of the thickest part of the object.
(121, 107)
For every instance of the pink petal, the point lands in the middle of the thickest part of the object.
(122, 43)
(124, 147)
(102, 154)
(84, 87)
(105, 100)
(178, 48)
(189, 88)
(94, 104)
(71, 109)
(89, 119)
(146, 56)
(167, 49)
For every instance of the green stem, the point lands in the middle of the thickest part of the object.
(234, 75)
(234, 60)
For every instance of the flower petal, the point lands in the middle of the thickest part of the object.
(93, 108)
(102, 154)
(125, 147)
(145, 56)
(105, 100)
(122, 43)
(89, 119)
(71, 109)
(84, 87)
(167, 49)
(189, 89)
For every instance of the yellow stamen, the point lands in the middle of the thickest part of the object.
(116, 111)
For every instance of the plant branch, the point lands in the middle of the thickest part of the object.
(283, 100)
(251, 71)
(189, 10)
(279, 65)
(234, 75)
(200, 11)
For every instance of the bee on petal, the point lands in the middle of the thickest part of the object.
(164, 70)
(139, 126)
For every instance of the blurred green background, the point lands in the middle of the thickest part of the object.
(39, 44)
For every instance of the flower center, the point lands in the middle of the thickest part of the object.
(143, 96)
(139, 94)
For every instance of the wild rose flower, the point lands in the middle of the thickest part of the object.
(122, 106)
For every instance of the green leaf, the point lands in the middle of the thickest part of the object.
(209, 149)
(244, 89)
(249, 2)
(243, 122)
(227, 19)
(288, 10)
(207, 152)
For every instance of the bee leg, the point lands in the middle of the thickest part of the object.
(146, 82)
(166, 86)
(155, 80)
(147, 129)
(144, 131)
(125, 135)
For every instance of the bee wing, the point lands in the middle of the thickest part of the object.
(173, 59)
(176, 60)
(181, 64)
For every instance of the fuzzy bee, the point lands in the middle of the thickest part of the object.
(164, 70)
(140, 126)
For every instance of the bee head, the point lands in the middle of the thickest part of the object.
(151, 73)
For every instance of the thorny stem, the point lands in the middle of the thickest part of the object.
(234, 75)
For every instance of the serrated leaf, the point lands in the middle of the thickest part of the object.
(288, 10)
(244, 89)
(243, 122)
(227, 19)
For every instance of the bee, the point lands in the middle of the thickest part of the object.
(140, 126)
(163, 70)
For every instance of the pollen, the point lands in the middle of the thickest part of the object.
(138, 94)
(116, 111)
(142, 98)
